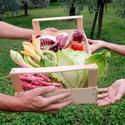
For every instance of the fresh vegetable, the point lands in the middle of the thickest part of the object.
(71, 79)
(30, 61)
(78, 36)
(47, 41)
(31, 81)
(18, 59)
(62, 40)
(75, 79)
(50, 58)
(34, 56)
(63, 54)
(75, 45)
(101, 60)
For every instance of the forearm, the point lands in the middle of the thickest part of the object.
(10, 31)
(114, 47)
(10, 103)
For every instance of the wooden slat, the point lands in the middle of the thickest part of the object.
(80, 23)
(57, 18)
(18, 71)
(36, 28)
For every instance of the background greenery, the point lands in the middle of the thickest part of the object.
(113, 31)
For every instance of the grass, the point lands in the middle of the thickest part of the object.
(113, 31)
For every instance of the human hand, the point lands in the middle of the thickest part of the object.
(112, 94)
(34, 100)
(96, 44)
(50, 30)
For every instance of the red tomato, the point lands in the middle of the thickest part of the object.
(76, 46)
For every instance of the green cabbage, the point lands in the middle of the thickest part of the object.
(78, 79)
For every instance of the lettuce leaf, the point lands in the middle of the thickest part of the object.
(101, 60)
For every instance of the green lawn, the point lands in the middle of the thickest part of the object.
(113, 31)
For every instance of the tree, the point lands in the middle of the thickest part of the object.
(16, 5)
(73, 6)
(98, 16)
(99, 12)
(25, 6)
(97, 6)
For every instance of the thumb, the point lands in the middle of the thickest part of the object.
(90, 41)
(40, 90)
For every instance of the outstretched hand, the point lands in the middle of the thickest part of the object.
(35, 101)
(95, 44)
(112, 94)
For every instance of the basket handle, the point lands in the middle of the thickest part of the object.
(79, 19)
(36, 22)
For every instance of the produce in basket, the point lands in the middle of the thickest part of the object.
(30, 81)
(61, 50)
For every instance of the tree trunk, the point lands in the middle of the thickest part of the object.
(26, 8)
(100, 19)
(72, 10)
(95, 20)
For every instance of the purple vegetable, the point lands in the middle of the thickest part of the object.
(47, 41)
(78, 36)
(62, 41)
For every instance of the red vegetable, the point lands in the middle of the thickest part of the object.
(75, 45)
(31, 81)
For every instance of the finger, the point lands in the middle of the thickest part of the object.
(103, 102)
(56, 98)
(51, 29)
(102, 89)
(101, 96)
(40, 90)
(58, 106)
(54, 29)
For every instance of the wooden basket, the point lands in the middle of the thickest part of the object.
(79, 95)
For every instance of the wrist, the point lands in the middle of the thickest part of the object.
(9, 103)
(104, 44)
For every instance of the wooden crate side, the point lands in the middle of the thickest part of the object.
(92, 80)
(15, 72)
(16, 83)
(79, 95)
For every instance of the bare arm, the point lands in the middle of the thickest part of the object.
(33, 101)
(97, 44)
(114, 47)
(13, 32)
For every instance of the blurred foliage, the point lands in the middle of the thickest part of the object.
(121, 7)
(15, 5)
